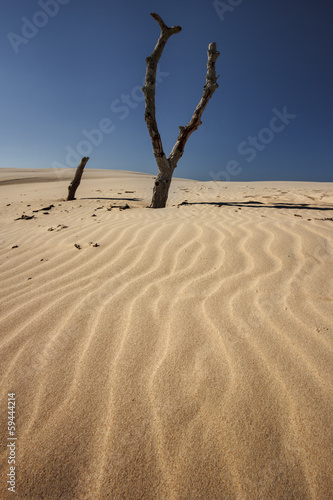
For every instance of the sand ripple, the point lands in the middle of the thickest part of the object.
(189, 356)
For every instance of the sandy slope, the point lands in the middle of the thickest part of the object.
(188, 356)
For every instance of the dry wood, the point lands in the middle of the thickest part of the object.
(77, 179)
(166, 166)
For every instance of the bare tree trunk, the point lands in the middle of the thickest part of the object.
(161, 189)
(77, 179)
(166, 166)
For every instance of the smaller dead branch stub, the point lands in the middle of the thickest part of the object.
(77, 179)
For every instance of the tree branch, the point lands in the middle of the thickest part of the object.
(149, 89)
(164, 37)
(165, 165)
(209, 89)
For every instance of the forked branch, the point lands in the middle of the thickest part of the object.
(165, 165)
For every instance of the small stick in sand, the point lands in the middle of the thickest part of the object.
(77, 179)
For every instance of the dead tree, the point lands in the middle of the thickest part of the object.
(166, 166)
(77, 179)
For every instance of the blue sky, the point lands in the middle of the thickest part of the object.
(69, 67)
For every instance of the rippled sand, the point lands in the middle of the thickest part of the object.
(187, 356)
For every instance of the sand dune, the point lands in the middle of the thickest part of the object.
(187, 356)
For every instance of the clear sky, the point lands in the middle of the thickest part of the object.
(69, 67)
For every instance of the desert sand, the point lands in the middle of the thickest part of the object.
(179, 353)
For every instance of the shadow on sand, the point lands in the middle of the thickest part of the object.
(113, 199)
(258, 204)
